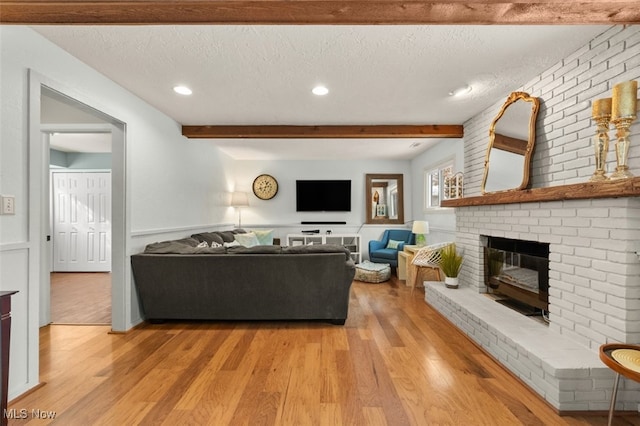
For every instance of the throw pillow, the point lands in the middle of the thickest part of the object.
(209, 237)
(265, 236)
(393, 244)
(231, 244)
(227, 236)
(248, 240)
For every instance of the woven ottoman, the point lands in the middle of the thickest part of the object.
(370, 272)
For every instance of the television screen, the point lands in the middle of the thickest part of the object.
(323, 195)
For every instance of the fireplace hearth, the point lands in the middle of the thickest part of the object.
(518, 270)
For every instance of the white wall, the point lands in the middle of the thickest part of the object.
(280, 212)
(282, 208)
(442, 221)
(171, 182)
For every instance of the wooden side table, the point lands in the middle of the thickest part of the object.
(623, 359)
(402, 265)
(410, 251)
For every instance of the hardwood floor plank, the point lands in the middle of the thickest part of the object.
(330, 414)
(396, 361)
(375, 416)
(218, 348)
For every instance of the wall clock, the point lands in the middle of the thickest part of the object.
(265, 187)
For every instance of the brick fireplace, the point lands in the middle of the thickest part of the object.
(594, 268)
(594, 296)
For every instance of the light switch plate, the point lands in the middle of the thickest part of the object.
(8, 203)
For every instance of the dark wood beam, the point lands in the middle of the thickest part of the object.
(314, 12)
(323, 132)
(506, 143)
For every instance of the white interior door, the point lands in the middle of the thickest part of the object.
(82, 221)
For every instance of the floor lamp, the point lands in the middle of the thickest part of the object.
(239, 200)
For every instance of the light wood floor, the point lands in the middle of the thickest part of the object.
(81, 298)
(396, 362)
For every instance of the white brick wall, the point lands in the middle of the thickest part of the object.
(564, 132)
(594, 271)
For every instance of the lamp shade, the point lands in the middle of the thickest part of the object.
(239, 199)
(420, 227)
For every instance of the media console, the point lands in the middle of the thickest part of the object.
(322, 223)
(350, 241)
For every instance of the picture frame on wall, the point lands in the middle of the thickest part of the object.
(381, 210)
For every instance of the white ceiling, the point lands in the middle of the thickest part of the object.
(81, 142)
(243, 74)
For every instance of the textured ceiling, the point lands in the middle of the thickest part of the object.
(242, 74)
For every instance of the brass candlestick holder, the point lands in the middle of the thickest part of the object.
(622, 147)
(624, 107)
(601, 115)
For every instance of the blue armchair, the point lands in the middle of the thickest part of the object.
(380, 251)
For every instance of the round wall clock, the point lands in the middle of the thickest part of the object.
(265, 187)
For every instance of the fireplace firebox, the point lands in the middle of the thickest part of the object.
(518, 270)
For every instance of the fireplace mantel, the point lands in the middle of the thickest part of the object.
(578, 191)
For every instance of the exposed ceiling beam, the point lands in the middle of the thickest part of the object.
(301, 12)
(323, 132)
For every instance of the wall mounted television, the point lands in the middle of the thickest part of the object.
(323, 195)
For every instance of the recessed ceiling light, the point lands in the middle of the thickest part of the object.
(183, 90)
(320, 90)
(463, 90)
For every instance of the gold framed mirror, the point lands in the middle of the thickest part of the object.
(384, 199)
(512, 138)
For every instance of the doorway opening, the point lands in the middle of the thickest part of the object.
(80, 218)
(82, 150)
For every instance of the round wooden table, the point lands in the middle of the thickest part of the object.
(623, 359)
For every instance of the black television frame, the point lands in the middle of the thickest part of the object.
(323, 195)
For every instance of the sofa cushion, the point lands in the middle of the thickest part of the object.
(179, 247)
(227, 236)
(248, 239)
(209, 250)
(255, 250)
(317, 248)
(386, 253)
(209, 237)
(188, 241)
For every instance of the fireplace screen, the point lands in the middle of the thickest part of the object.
(519, 270)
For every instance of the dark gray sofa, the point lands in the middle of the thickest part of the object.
(175, 280)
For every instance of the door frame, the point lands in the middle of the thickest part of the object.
(39, 213)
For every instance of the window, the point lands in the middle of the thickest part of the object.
(434, 183)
